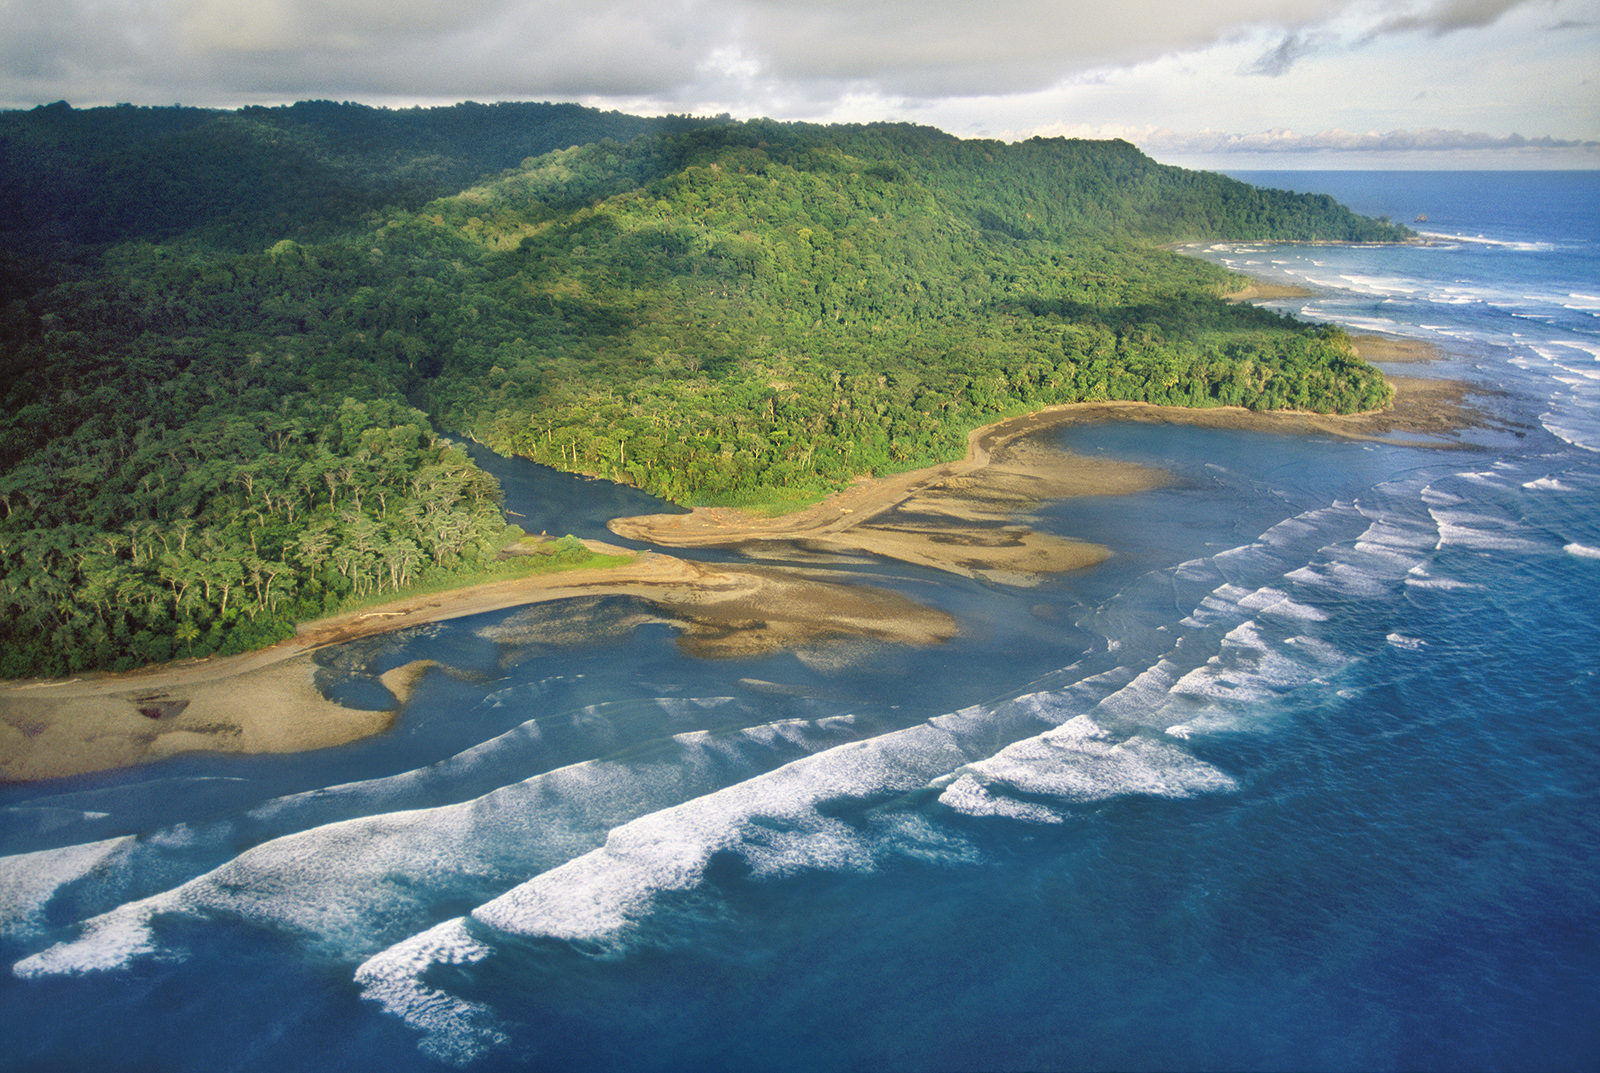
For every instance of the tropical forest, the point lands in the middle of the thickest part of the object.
(241, 350)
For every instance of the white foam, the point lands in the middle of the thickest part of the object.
(775, 824)
(969, 796)
(1475, 529)
(1322, 652)
(594, 896)
(1481, 240)
(1582, 551)
(1392, 533)
(1574, 428)
(1080, 762)
(1547, 484)
(1147, 692)
(1270, 601)
(1221, 604)
(351, 887)
(1396, 286)
(1341, 577)
(1409, 644)
(1435, 497)
(454, 1030)
(29, 880)
(1250, 668)
(1422, 579)
(111, 941)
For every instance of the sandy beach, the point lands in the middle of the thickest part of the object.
(1389, 348)
(1263, 291)
(967, 517)
(268, 700)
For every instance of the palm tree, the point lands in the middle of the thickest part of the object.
(187, 631)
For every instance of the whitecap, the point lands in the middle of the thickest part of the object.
(1219, 604)
(1271, 601)
(1080, 761)
(454, 1030)
(29, 880)
(775, 823)
(1342, 577)
(1147, 692)
(1582, 551)
(972, 798)
(1409, 644)
(350, 887)
(1422, 579)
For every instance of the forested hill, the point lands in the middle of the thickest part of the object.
(245, 179)
(231, 340)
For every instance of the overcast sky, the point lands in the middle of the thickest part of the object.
(1203, 83)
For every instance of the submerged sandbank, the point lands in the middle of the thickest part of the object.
(268, 700)
(965, 517)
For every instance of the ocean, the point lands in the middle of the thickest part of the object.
(1305, 776)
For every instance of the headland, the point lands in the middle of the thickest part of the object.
(967, 517)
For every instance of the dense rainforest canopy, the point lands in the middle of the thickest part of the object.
(231, 343)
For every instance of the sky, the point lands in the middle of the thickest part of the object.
(1219, 84)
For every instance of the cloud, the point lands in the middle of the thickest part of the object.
(1343, 141)
(1434, 18)
(1278, 60)
(1446, 16)
(1161, 141)
(968, 67)
(913, 48)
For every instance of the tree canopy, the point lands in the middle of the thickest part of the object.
(231, 340)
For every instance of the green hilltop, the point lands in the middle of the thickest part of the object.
(232, 340)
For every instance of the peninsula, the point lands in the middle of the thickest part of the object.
(972, 522)
(229, 373)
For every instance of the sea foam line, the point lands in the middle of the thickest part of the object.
(350, 887)
(776, 824)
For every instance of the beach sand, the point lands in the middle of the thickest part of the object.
(111, 721)
(1263, 291)
(967, 517)
(268, 701)
(1389, 348)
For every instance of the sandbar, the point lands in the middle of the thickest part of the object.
(966, 517)
(969, 517)
(103, 722)
(268, 700)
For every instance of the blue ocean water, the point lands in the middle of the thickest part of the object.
(1303, 777)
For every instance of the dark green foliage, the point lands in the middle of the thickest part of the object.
(217, 422)
(250, 177)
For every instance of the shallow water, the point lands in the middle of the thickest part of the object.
(1302, 777)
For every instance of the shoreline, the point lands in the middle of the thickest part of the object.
(267, 701)
(966, 517)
